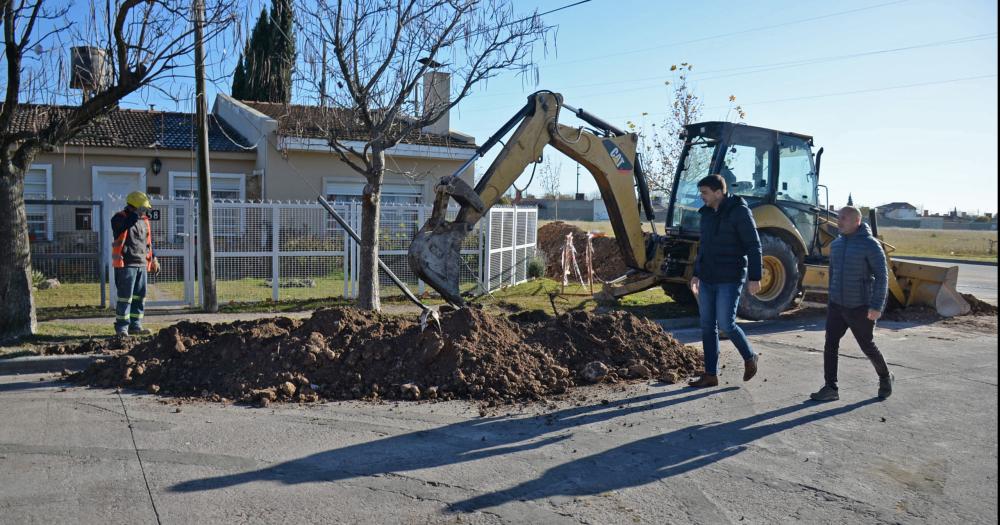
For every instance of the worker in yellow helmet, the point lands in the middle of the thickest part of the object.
(132, 258)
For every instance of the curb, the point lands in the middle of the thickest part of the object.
(679, 323)
(942, 260)
(46, 364)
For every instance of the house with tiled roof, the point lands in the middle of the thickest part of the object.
(258, 151)
(294, 154)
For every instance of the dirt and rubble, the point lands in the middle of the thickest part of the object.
(344, 353)
(104, 345)
(607, 260)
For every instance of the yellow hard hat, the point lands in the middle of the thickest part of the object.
(138, 200)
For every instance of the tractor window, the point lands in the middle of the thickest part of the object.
(745, 170)
(796, 174)
(688, 200)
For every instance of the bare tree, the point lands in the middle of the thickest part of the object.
(381, 50)
(661, 145)
(549, 175)
(143, 41)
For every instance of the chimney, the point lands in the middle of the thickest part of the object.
(437, 95)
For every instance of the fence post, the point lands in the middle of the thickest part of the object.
(101, 254)
(189, 250)
(488, 235)
(275, 246)
(513, 247)
(484, 251)
(421, 214)
(347, 259)
(355, 249)
(485, 287)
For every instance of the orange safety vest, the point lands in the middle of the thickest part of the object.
(118, 258)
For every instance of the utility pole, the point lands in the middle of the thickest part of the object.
(577, 180)
(322, 77)
(209, 301)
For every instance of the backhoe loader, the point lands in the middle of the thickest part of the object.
(776, 172)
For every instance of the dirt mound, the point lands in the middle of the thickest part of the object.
(113, 345)
(926, 314)
(979, 307)
(343, 353)
(608, 262)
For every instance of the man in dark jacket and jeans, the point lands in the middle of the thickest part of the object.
(859, 284)
(729, 245)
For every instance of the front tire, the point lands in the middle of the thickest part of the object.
(779, 282)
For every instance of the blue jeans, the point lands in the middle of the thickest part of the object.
(131, 285)
(717, 308)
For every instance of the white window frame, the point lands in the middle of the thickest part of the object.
(241, 177)
(348, 187)
(49, 219)
(95, 170)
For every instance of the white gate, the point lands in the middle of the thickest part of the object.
(174, 247)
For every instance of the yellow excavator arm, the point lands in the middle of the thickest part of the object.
(609, 157)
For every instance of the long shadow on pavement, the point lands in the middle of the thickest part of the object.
(447, 445)
(653, 458)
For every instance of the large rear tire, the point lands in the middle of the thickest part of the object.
(779, 283)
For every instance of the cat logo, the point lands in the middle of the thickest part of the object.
(621, 162)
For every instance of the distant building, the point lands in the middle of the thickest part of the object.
(902, 211)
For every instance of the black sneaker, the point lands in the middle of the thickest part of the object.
(827, 393)
(885, 386)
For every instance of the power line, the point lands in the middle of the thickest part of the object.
(836, 94)
(734, 33)
(760, 68)
(874, 90)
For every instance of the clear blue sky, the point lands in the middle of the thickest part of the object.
(931, 140)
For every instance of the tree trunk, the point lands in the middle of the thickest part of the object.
(368, 274)
(17, 304)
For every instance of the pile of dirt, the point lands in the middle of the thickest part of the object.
(979, 307)
(608, 261)
(113, 345)
(343, 353)
(926, 314)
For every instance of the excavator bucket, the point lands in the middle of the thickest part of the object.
(928, 285)
(435, 252)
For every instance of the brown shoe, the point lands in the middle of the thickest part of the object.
(750, 368)
(704, 381)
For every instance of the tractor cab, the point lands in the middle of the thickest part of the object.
(764, 166)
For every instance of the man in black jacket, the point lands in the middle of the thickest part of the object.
(858, 289)
(729, 254)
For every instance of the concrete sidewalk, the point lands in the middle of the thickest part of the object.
(740, 453)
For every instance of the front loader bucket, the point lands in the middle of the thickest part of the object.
(435, 256)
(435, 253)
(928, 285)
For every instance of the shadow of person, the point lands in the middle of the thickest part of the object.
(654, 458)
(447, 445)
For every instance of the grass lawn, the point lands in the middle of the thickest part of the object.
(946, 244)
(63, 332)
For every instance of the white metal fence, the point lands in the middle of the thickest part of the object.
(296, 251)
(66, 252)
